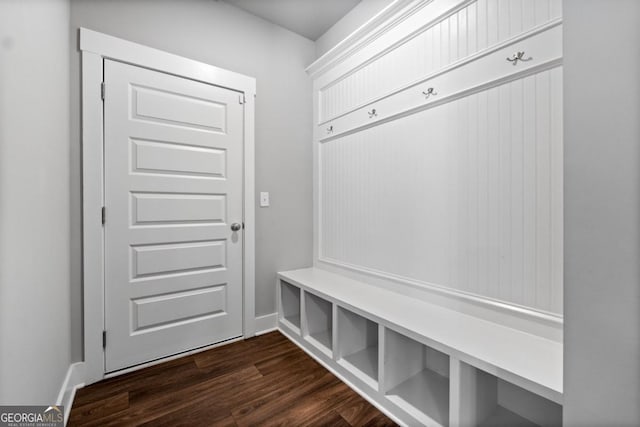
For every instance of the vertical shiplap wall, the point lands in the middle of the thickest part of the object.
(475, 26)
(466, 196)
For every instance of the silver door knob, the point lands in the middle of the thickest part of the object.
(235, 226)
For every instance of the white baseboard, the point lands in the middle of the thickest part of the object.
(72, 382)
(266, 323)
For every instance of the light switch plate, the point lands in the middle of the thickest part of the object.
(264, 199)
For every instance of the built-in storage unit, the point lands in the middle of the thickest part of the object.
(438, 153)
(488, 401)
(420, 363)
(438, 216)
(358, 346)
(290, 306)
(319, 322)
(416, 378)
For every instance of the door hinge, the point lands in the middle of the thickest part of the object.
(242, 99)
(102, 90)
(103, 214)
(104, 339)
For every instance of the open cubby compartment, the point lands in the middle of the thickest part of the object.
(416, 378)
(290, 306)
(357, 347)
(319, 326)
(488, 401)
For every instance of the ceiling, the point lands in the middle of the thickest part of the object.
(309, 18)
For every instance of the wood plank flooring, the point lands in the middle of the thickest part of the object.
(263, 381)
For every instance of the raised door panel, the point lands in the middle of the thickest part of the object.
(178, 307)
(168, 158)
(158, 208)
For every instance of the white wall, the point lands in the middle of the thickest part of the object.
(602, 213)
(34, 200)
(360, 14)
(222, 35)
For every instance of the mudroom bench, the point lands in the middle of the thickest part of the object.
(421, 363)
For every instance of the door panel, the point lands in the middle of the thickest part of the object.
(172, 308)
(173, 186)
(158, 208)
(154, 157)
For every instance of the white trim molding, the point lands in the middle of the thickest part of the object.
(95, 48)
(463, 62)
(72, 382)
(537, 322)
(267, 323)
(390, 16)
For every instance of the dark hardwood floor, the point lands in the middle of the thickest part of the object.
(262, 381)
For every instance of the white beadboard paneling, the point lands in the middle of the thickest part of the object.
(475, 73)
(542, 10)
(515, 14)
(557, 186)
(543, 191)
(492, 22)
(473, 217)
(493, 184)
(482, 21)
(466, 195)
(504, 20)
(504, 192)
(463, 37)
(528, 13)
(445, 42)
(555, 8)
(517, 190)
(474, 26)
(529, 188)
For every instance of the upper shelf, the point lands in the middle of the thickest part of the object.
(531, 52)
(530, 361)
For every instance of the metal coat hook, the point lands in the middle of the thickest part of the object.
(518, 56)
(330, 129)
(372, 113)
(430, 91)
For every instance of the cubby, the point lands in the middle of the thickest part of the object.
(319, 327)
(423, 364)
(488, 401)
(416, 378)
(358, 346)
(290, 305)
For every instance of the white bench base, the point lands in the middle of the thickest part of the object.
(419, 363)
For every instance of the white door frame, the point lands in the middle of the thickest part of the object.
(96, 47)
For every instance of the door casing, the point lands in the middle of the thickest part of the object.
(95, 47)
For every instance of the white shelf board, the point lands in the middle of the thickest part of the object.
(527, 360)
(503, 417)
(425, 396)
(365, 363)
(323, 339)
(293, 322)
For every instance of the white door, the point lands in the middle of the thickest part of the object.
(173, 197)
